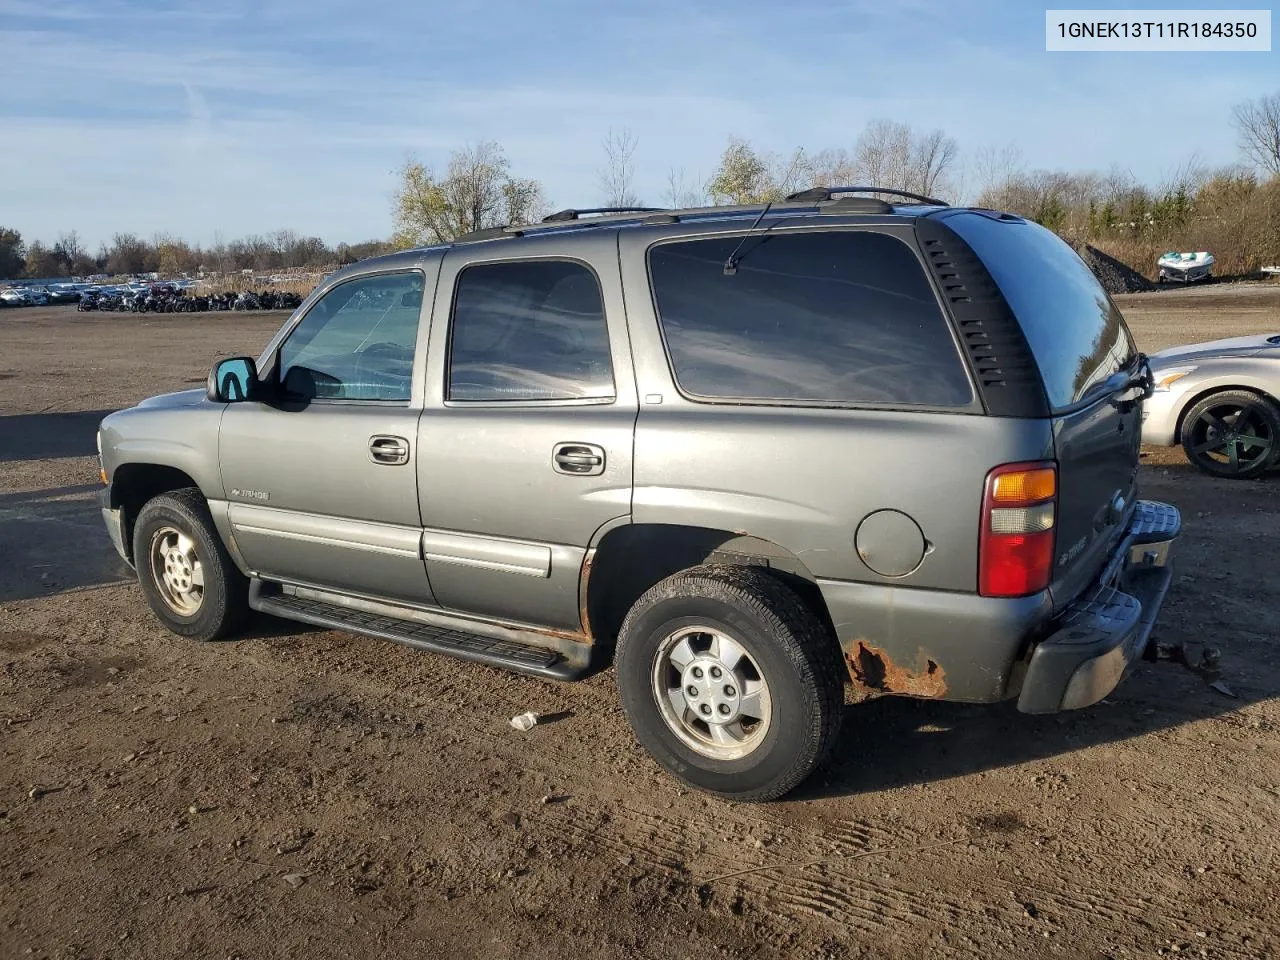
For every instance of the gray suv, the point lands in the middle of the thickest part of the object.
(749, 454)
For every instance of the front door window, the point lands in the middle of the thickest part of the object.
(357, 342)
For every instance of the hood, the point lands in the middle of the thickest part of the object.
(183, 398)
(1231, 347)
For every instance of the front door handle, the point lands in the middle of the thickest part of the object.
(578, 459)
(389, 450)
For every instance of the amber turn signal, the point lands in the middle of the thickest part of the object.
(1024, 486)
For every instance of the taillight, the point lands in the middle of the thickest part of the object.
(1019, 510)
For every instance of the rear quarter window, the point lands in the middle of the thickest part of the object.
(830, 317)
(1075, 331)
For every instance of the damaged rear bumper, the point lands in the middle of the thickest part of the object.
(1098, 637)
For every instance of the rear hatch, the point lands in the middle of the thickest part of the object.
(1088, 364)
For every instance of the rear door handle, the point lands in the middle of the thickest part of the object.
(578, 459)
(388, 449)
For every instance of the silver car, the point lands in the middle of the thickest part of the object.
(1219, 401)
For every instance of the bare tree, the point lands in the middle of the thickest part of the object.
(219, 254)
(884, 154)
(891, 154)
(617, 176)
(932, 154)
(681, 192)
(831, 168)
(1258, 123)
(70, 246)
(790, 173)
(994, 165)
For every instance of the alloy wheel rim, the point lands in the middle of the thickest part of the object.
(711, 692)
(177, 571)
(1232, 436)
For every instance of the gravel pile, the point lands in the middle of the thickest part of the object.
(1115, 276)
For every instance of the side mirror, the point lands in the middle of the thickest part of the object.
(233, 380)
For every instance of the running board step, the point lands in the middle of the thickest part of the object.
(507, 654)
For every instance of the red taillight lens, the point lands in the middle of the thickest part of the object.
(1019, 510)
(1016, 565)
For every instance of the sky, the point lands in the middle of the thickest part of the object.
(211, 119)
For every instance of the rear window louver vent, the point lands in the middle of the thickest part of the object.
(999, 356)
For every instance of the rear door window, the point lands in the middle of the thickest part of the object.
(1076, 333)
(529, 330)
(830, 317)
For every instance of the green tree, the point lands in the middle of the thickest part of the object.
(1107, 219)
(1137, 211)
(477, 192)
(43, 262)
(1050, 213)
(741, 177)
(175, 257)
(1180, 209)
(13, 259)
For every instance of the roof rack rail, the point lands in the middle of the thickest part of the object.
(574, 214)
(819, 194)
(489, 233)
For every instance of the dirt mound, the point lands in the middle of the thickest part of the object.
(1115, 276)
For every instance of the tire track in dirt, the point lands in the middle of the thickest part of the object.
(601, 822)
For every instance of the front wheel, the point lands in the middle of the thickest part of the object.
(730, 681)
(1233, 434)
(189, 579)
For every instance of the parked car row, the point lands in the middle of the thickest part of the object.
(165, 298)
(142, 297)
(24, 297)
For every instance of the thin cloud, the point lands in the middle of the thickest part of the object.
(267, 113)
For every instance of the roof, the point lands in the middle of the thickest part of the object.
(815, 202)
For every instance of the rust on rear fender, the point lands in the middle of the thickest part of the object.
(584, 580)
(869, 666)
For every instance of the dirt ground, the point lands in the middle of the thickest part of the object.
(302, 793)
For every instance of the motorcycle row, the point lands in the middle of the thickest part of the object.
(168, 300)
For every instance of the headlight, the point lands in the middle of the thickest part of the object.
(1167, 378)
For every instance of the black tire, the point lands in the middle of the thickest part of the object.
(1233, 434)
(793, 652)
(224, 605)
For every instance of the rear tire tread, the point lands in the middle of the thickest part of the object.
(793, 628)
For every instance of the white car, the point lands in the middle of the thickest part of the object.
(1221, 401)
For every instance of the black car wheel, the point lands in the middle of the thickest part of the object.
(1234, 434)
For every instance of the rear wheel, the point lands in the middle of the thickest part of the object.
(730, 681)
(189, 579)
(1234, 434)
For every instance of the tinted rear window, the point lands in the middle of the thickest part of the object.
(1076, 333)
(825, 317)
(529, 330)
